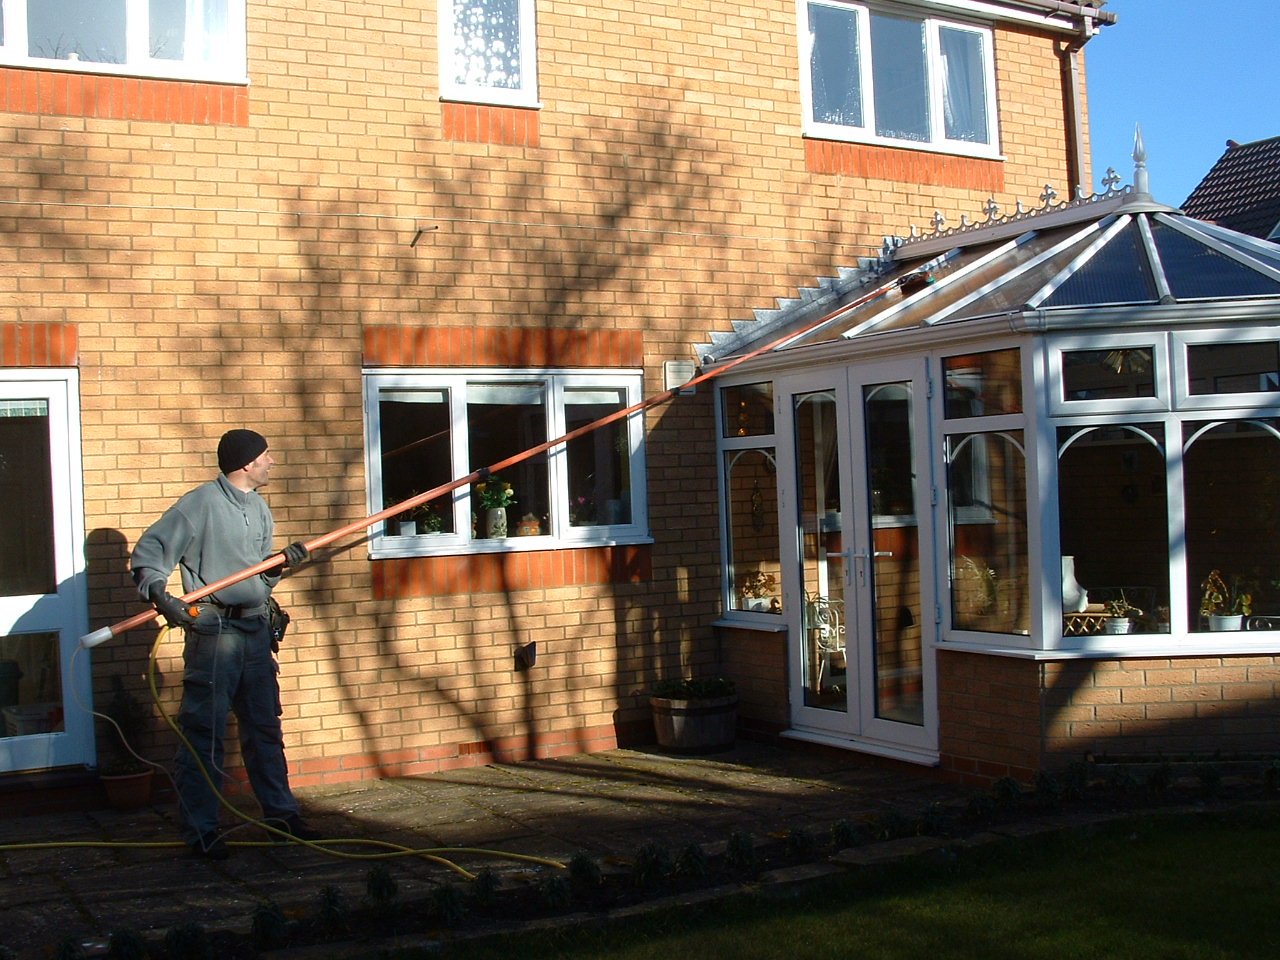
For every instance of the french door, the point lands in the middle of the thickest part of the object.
(862, 629)
(44, 685)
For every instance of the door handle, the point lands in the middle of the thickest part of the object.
(861, 563)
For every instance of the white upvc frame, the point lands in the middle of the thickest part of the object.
(64, 612)
(1030, 427)
(937, 141)
(562, 533)
(1158, 340)
(765, 443)
(525, 95)
(230, 68)
(1185, 400)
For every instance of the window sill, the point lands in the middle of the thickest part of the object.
(133, 71)
(1102, 647)
(731, 622)
(976, 152)
(420, 546)
(476, 101)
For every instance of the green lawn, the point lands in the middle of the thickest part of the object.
(1154, 888)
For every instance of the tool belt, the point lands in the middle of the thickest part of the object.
(239, 612)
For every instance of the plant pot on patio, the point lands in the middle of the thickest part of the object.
(695, 716)
(128, 790)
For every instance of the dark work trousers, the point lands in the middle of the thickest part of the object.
(232, 669)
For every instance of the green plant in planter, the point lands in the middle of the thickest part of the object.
(1122, 608)
(494, 493)
(128, 719)
(694, 688)
(427, 517)
(757, 585)
(1222, 597)
(693, 715)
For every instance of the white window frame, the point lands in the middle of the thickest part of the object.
(937, 142)
(1184, 399)
(525, 95)
(1059, 406)
(230, 68)
(562, 533)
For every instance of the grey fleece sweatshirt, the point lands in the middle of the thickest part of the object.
(212, 532)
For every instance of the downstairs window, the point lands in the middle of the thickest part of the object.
(424, 429)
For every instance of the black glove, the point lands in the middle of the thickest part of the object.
(177, 613)
(295, 554)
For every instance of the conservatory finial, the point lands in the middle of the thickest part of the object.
(1140, 184)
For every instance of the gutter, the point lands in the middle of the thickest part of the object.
(1097, 14)
(1055, 14)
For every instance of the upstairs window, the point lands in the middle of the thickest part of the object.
(175, 39)
(488, 52)
(899, 81)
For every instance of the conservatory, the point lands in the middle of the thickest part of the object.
(1008, 495)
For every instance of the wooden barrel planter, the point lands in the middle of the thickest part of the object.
(703, 725)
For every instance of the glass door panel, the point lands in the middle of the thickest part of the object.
(825, 661)
(894, 634)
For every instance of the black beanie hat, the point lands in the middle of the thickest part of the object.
(238, 448)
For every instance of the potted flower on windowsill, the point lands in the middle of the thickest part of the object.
(1120, 615)
(427, 518)
(1226, 602)
(424, 518)
(695, 715)
(756, 590)
(494, 496)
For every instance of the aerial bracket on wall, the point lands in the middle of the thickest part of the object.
(421, 230)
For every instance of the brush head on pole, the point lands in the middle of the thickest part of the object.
(95, 638)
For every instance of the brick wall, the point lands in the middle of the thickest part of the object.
(988, 716)
(224, 269)
(1003, 716)
(1194, 706)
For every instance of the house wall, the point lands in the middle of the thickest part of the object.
(223, 252)
(1002, 716)
(1165, 707)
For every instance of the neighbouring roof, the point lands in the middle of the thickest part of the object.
(1059, 263)
(1242, 190)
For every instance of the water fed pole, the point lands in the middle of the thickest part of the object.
(276, 560)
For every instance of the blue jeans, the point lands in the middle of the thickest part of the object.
(232, 669)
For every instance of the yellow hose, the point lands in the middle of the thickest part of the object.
(389, 850)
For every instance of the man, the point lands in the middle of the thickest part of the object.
(214, 531)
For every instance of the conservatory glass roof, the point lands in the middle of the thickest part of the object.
(1119, 249)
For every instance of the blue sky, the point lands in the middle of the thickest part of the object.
(1194, 75)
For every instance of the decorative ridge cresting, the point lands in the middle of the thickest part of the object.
(991, 209)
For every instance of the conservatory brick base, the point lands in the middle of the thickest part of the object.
(1003, 716)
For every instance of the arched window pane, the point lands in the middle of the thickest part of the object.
(1113, 509)
(1231, 478)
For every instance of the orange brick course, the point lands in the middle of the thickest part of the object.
(481, 123)
(38, 345)
(68, 94)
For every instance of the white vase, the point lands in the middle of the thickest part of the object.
(1117, 625)
(495, 522)
(1075, 599)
